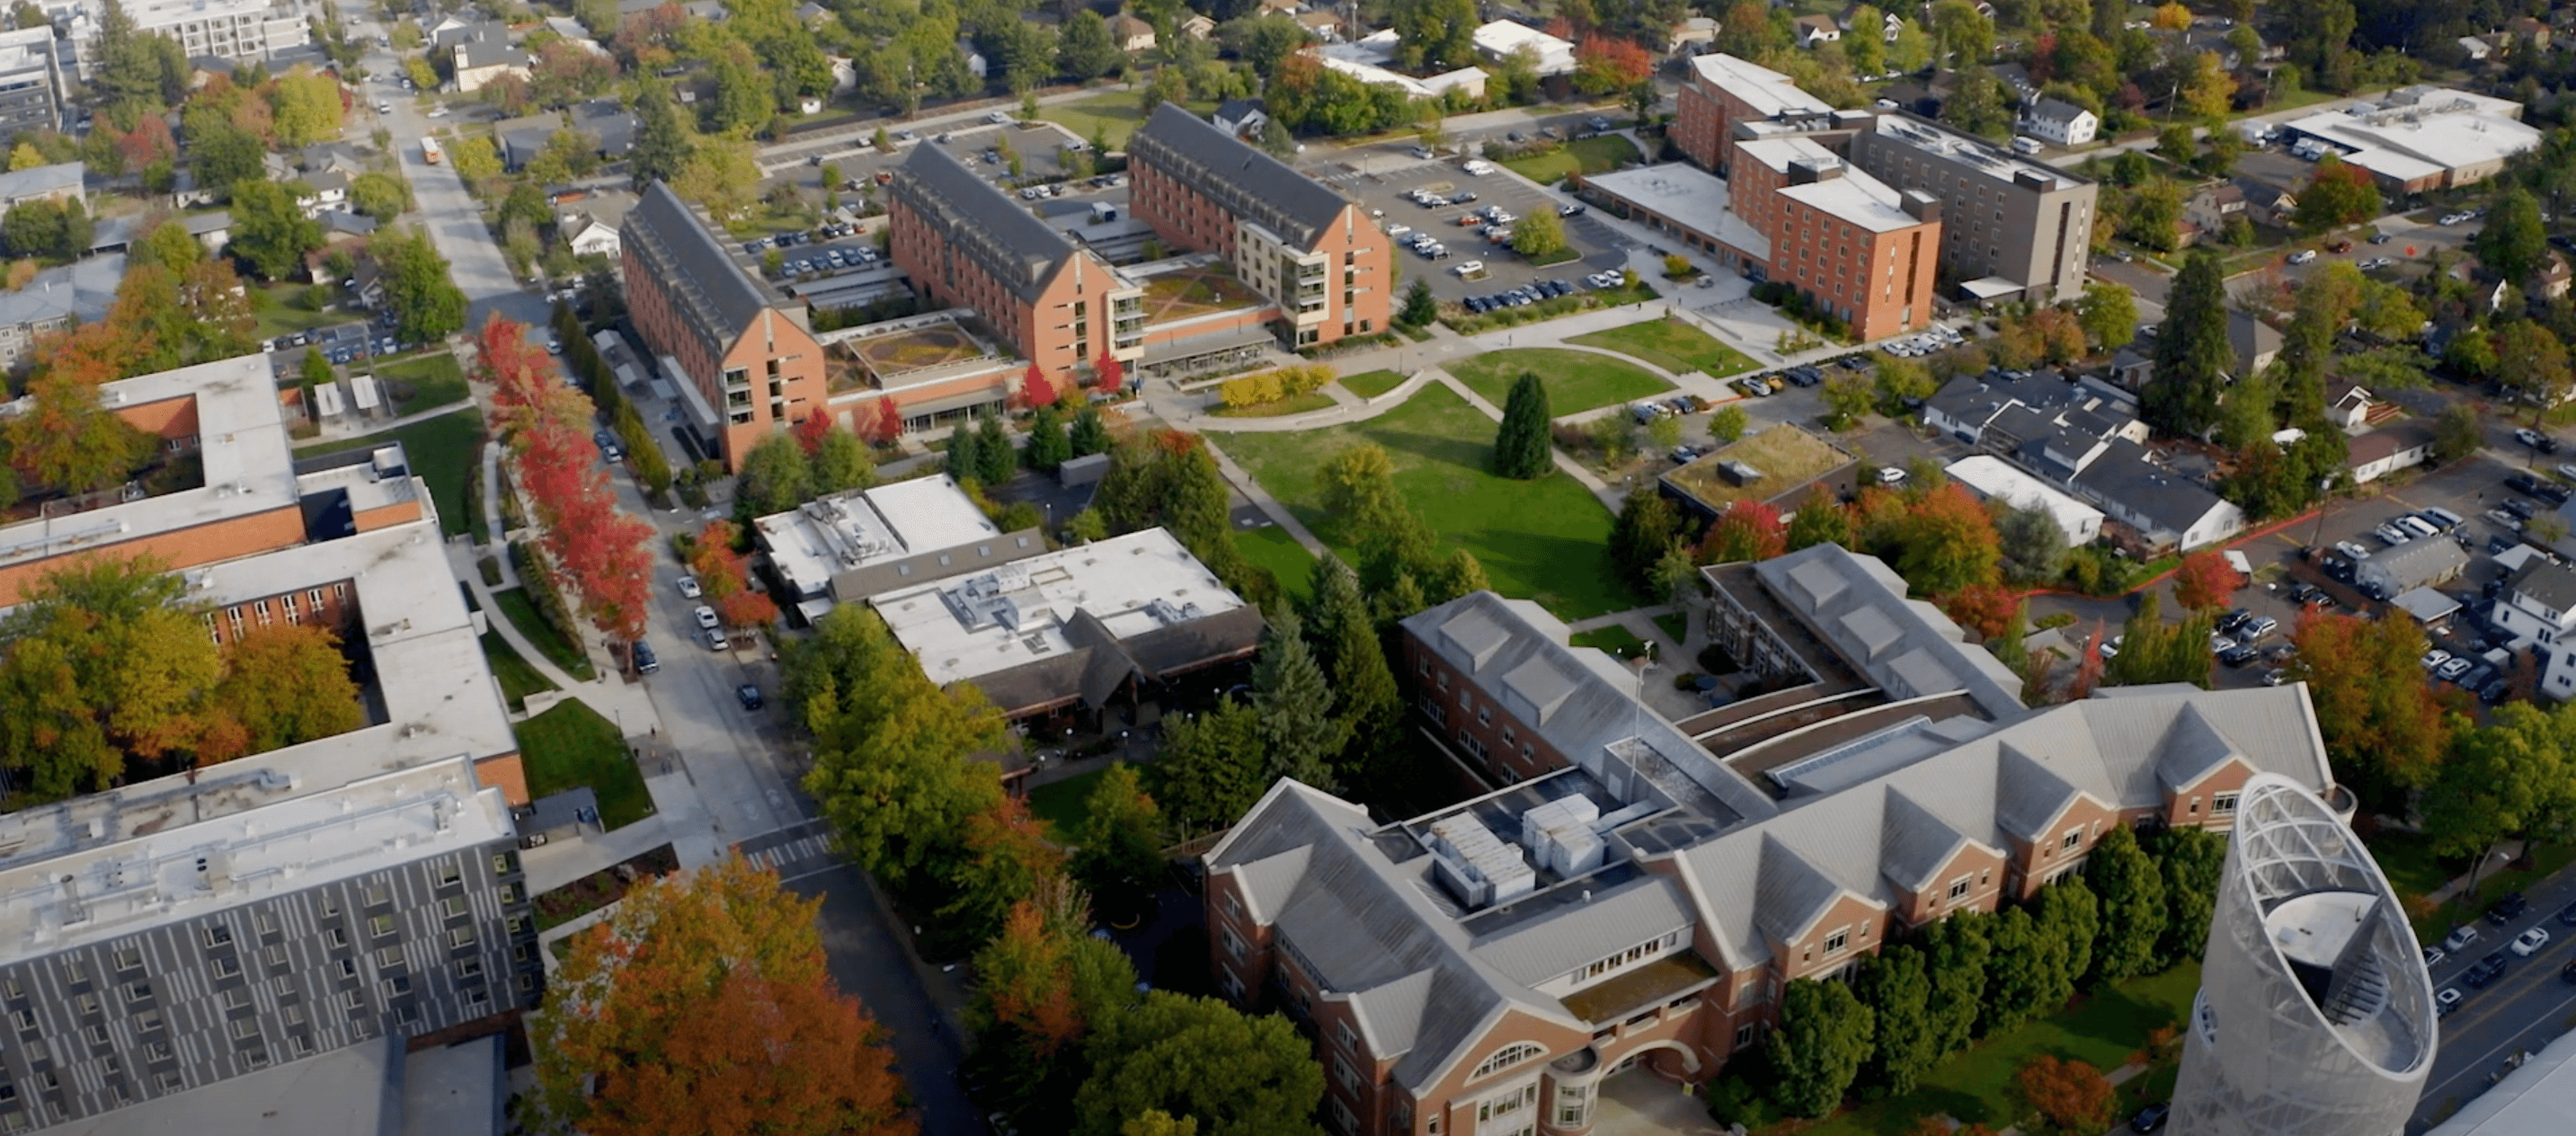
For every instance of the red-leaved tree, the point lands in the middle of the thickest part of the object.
(2074, 1096)
(1982, 608)
(1035, 390)
(2205, 580)
(602, 551)
(1603, 64)
(1112, 373)
(888, 424)
(1746, 530)
(812, 429)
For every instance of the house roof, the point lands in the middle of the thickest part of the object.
(2415, 562)
(606, 120)
(80, 291)
(2387, 442)
(2056, 110)
(41, 181)
(977, 218)
(1126, 27)
(479, 53)
(2546, 582)
(1770, 93)
(1905, 646)
(2171, 501)
(1241, 179)
(685, 254)
(1235, 110)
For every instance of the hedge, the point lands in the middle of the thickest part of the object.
(1271, 386)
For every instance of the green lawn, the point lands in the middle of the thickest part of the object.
(1672, 345)
(1615, 639)
(570, 746)
(280, 310)
(1576, 381)
(521, 611)
(2412, 868)
(518, 678)
(425, 382)
(2101, 1030)
(1306, 403)
(1675, 626)
(1597, 155)
(1064, 804)
(1274, 549)
(1543, 540)
(1116, 115)
(441, 450)
(1370, 384)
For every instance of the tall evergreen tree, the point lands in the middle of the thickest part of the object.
(1420, 308)
(1366, 704)
(2132, 892)
(663, 145)
(1048, 446)
(1521, 442)
(1090, 435)
(1646, 527)
(962, 462)
(1299, 735)
(2193, 353)
(995, 461)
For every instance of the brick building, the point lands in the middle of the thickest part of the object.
(1288, 236)
(1857, 248)
(743, 357)
(1723, 91)
(1636, 892)
(2014, 229)
(966, 244)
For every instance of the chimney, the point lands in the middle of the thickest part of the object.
(1922, 206)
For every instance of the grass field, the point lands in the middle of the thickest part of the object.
(1676, 626)
(571, 745)
(428, 381)
(441, 450)
(1370, 384)
(1064, 804)
(279, 310)
(1672, 345)
(1597, 155)
(2415, 872)
(1274, 549)
(1117, 115)
(521, 611)
(1543, 540)
(1576, 381)
(1615, 639)
(1294, 404)
(518, 678)
(2102, 1030)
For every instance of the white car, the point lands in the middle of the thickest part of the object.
(2454, 218)
(716, 640)
(2529, 942)
(2303, 256)
(689, 589)
(438, 112)
(1469, 268)
(707, 617)
(1891, 475)
(997, 118)
(1398, 230)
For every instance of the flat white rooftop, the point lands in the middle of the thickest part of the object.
(241, 439)
(1690, 197)
(1976, 153)
(812, 542)
(2437, 130)
(1500, 38)
(175, 851)
(372, 484)
(1767, 91)
(1851, 195)
(968, 626)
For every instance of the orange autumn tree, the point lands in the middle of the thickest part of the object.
(701, 1006)
(2205, 580)
(2382, 726)
(726, 578)
(1042, 986)
(284, 684)
(602, 549)
(2074, 1096)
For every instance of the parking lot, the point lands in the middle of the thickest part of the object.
(1036, 143)
(1384, 191)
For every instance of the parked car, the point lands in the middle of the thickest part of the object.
(2460, 938)
(2257, 627)
(2352, 550)
(2303, 256)
(2508, 908)
(2530, 941)
(2485, 972)
(645, 661)
(2149, 1119)
(2448, 999)
(715, 640)
(689, 587)
(2452, 670)
(2536, 440)
(707, 617)
(749, 696)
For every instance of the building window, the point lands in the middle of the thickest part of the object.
(1506, 1103)
(225, 967)
(217, 934)
(1959, 888)
(1343, 1033)
(2223, 804)
(138, 991)
(449, 874)
(456, 906)
(2074, 836)
(1506, 1057)
(1344, 1075)
(1233, 942)
(129, 957)
(1838, 940)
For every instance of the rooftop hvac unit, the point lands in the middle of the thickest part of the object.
(1477, 866)
(1559, 833)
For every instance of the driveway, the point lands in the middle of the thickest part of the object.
(1636, 1103)
(447, 212)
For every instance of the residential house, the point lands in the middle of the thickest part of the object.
(1242, 118)
(1131, 34)
(520, 140)
(2538, 608)
(1890, 25)
(2348, 406)
(1695, 35)
(327, 190)
(1993, 479)
(2414, 564)
(2036, 420)
(1615, 900)
(213, 230)
(2015, 78)
(976, 64)
(2058, 122)
(813, 15)
(1325, 25)
(61, 181)
(588, 236)
(482, 53)
(2165, 510)
(2253, 340)
(1276, 8)
(2475, 48)
(2525, 27)
(1199, 26)
(2268, 203)
(1500, 39)
(2378, 453)
(2211, 205)
(572, 32)
(1813, 30)
(57, 299)
(609, 122)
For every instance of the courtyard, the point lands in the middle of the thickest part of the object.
(1192, 292)
(1544, 540)
(1576, 381)
(915, 349)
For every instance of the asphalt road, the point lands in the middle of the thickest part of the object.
(2524, 1010)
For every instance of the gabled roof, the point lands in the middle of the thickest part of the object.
(2547, 583)
(1915, 843)
(2192, 750)
(40, 181)
(1905, 646)
(2056, 110)
(2124, 476)
(1241, 179)
(721, 297)
(975, 218)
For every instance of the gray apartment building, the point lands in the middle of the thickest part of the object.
(31, 80)
(2012, 228)
(185, 931)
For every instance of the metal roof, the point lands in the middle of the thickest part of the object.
(1242, 180)
(718, 297)
(975, 218)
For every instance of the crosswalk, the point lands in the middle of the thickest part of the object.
(798, 850)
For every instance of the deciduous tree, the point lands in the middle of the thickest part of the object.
(1603, 64)
(2188, 862)
(1825, 1033)
(1946, 542)
(1646, 527)
(1745, 530)
(63, 437)
(424, 299)
(2030, 547)
(891, 750)
(1198, 1057)
(101, 663)
(284, 684)
(2132, 894)
(2074, 1096)
(2336, 195)
(1004, 857)
(2109, 314)
(1821, 520)
(270, 231)
(776, 476)
(2206, 581)
(2508, 777)
(2380, 723)
(701, 1005)
(2021, 972)
(1521, 445)
(1898, 992)
(1956, 951)
(2533, 363)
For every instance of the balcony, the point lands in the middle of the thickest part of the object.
(1643, 988)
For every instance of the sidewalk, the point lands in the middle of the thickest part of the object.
(336, 430)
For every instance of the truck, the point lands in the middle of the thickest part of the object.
(429, 151)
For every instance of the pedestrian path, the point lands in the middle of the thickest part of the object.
(339, 429)
(1610, 496)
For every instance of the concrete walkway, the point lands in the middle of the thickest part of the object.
(338, 428)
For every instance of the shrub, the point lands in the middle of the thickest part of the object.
(1273, 385)
(538, 578)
